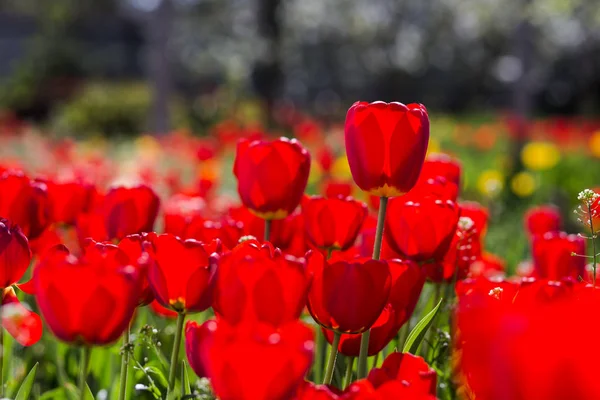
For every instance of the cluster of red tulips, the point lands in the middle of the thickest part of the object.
(261, 270)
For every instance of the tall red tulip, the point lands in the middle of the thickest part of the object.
(180, 274)
(133, 246)
(347, 296)
(261, 364)
(129, 210)
(333, 223)
(15, 254)
(421, 228)
(89, 300)
(257, 283)
(25, 203)
(542, 219)
(386, 145)
(552, 255)
(272, 175)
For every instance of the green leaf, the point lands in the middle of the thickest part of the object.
(27, 385)
(156, 373)
(185, 380)
(58, 393)
(88, 393)
(416, 336)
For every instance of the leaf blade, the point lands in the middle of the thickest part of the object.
(416, 336)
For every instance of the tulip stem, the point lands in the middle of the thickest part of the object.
(332, 357)
(319, 350)
(175, 353)
(591, 214)
(364, 340)
(349, 368)
(124, 365)
(267, 230)
(84, 363)
(1, 350)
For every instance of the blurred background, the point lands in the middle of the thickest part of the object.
(513, 87)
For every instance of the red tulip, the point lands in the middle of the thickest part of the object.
(478, 214)
(161, 311)
(133, 246)
(69, 199)
(180, 274)
(182, 211)
(542, 219)
(386, 145)
(347, 296)
(405, 367)
(552, 255)
(88, 300)
(439, 164)
(129, 210)
(438, 187)
(25, 203)
(15, 254)
(310, 391)
(257, 283)
(332, 189)
(263, 364)
(488, 266)
(22, 324)
(364, 390)
(333, 223)
(407, 282)
(421, 229)
(271, 176)
(504, 347)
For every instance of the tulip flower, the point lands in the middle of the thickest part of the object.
(421, 229)
(333, 223)
(552, 255)
(25, 203)
(346, 296)
(89, 300)
(182, 280)
(23, 324)
(68, 199)
(503, 346)
(407, 282)
(257, 283)
(271, 176)
(261, 364)
(439, 164)
(386, 145)
(542, 219)
(129, 210)
(405, 367)
(15, 254)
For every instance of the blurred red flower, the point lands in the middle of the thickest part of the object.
(257, 283)
(421, 228)
(552, 255)
(23, 324)
(271, 175)
(542, 219)
(68, 199)
(386, 145)
(440, 164)
(333, 223)
(129, 210)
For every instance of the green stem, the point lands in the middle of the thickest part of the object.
(124, 366)
(376, 360)
(176, 347)
(1, 351)
(318, 364)
(364, 340)
(349, 368)
(593, 243)
(84, 363)
(332, 357)
(267, 230)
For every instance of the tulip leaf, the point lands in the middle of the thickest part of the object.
(27, 385)
(185, 380)
(416, 336)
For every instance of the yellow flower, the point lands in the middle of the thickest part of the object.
(539, 156)
(595, 144)
(490, 183)
(523, 184)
